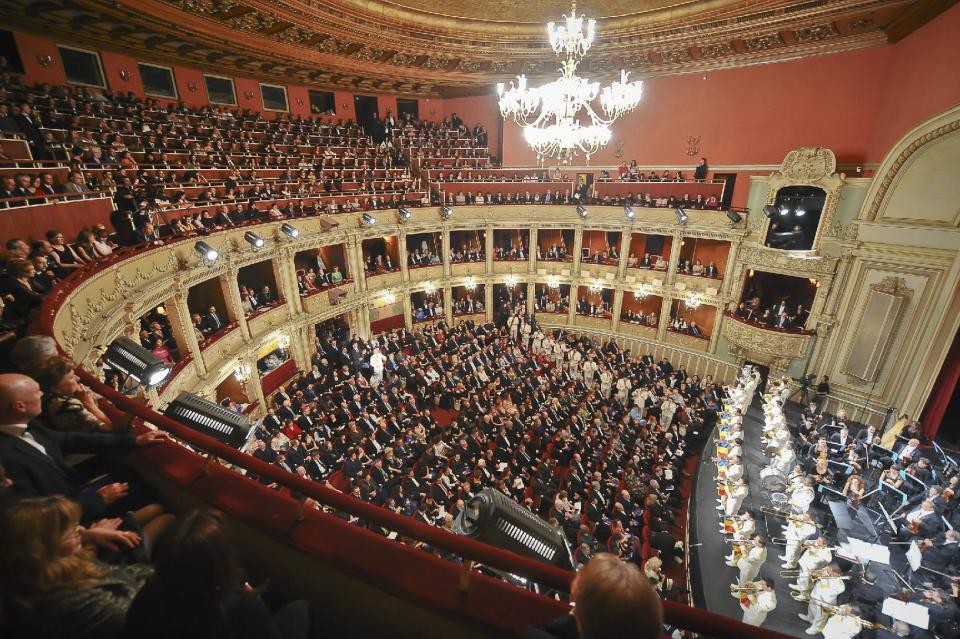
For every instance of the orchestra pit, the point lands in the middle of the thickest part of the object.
(480, 320)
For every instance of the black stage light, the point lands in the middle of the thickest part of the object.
(582, 212)
(629, 213)
(403, 215)
(253, 239)
(446, 212)
(734, 217)
(289, 230)
(128, 357)
(211, 419)
(770, 211)
(682, 217)
(206, 251)
(369, 220)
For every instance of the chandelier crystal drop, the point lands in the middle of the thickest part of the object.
(559, 119)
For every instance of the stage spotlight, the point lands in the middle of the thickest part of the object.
(446, 212)
(800, 212)
(770, 210)
(582, 212)
(368, 219)
(496, 519)
(206, 251)
(403, 215)
(682, 217)
(784, 210)
(210, 419)
(734, 217)
(134, 360)
(629, 213)
(253, 239)
(289, 230)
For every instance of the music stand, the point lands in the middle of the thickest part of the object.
(889, 519)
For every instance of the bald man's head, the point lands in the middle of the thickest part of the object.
(19, 399)
(615, 599)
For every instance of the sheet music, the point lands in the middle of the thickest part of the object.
(911, 613)
(914, 556)
(863, 551)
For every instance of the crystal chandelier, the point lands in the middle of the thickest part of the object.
(551, 114)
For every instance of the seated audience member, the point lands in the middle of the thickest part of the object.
(613, 599)
(33, 453)
(52, 586)
(199, 591)
(68, 404)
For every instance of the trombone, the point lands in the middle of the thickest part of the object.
(785, 514)
(750, 587)
(835, 610)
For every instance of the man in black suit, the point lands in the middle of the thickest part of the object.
(213, 320)
(266, 296)
(147, 234)
(30, 124)
(33, 454)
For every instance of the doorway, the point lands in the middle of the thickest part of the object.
(368, 116)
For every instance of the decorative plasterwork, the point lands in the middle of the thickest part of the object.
(815, 33)
(778, 347)
(945, 124)
(676, 55)
(808, 166)
(777, 261)
(891, 285)
(717, 50)
(763, 42)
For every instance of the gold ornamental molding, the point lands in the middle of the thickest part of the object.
(941, 125)
(774, 348)
(808, 166)
(777, 261)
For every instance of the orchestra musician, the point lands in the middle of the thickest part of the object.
(751, 561)
(796, 531)
(844, 623)
(813, 558)
(827, 586)
(730, 502)
(757, 599)
(802, 496)
(920, 523)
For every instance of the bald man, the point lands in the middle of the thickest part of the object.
(613, 599)
(33, 453)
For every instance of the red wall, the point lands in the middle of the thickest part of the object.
(858, 104)
(478, 110)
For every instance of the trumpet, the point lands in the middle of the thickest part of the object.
(739, 542)
(836, 610)
(747, 587)
(810, 543)
(785, 514)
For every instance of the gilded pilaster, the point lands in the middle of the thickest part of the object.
(532, 250)
(445, 243)
(231, 292)
(407, 311)
(577, 246)
(617, 306)
(624, 255)
(182, 326)
(402, 256)
(664, 319)
(488, 247)
(448, 304)
(674, 256)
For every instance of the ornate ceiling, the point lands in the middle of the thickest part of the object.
(438, 47)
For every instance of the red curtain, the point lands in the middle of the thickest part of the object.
(943, 391)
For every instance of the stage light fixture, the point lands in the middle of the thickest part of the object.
(682, 217)
(210, 419)
(134, 360)
(734, 217)
(582, 212)
(800, 212)
(496, 519)
(770, 210)
(403, 215)
(289, 230)
(784, 210)
(253, 239)
(629, 213)
(446, 212)
(368, 219)
(206, 251)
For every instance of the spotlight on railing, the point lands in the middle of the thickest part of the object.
(368, 219)
(446, 212)
(210, 419)
(253, 239)
(289, 230)
(682, 217)
(629, 213)
(403, 215)
(582, 212)
(770, 210)
(495, 519)
(734, 217)
(134, 360)
(206, 251)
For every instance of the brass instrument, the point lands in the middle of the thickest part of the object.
(786, 515)
(739, 542)
(810, 543)
(835, 610)
(750, 587)
(790, 573)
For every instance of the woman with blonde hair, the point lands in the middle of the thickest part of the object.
(51, 585)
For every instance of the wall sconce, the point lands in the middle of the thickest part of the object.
(44, 60)
(471, 284)
(242, 373)
(389, 298)
(345, 106)
(553, 282)
(248, 94)
(511, 281)
(693, 301)
(192, 87)
(429, 287)
(596, 287)
(299, 101)
(283, 341)
(124, 75)
(642, 292)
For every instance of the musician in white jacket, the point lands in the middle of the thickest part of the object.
(759, 605)
(797, 530)
(845, 624)
(825, 591)
(813, 558)
(751, 561)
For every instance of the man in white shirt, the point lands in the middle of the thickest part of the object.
(824, 591)
(844, 624)
(377, 361)
(751, 561)
(757, 606)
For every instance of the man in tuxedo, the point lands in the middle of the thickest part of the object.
(213, 320)
(30, 124)
(147, 234)
(266, 296)
(33, 453)
(47, 186)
